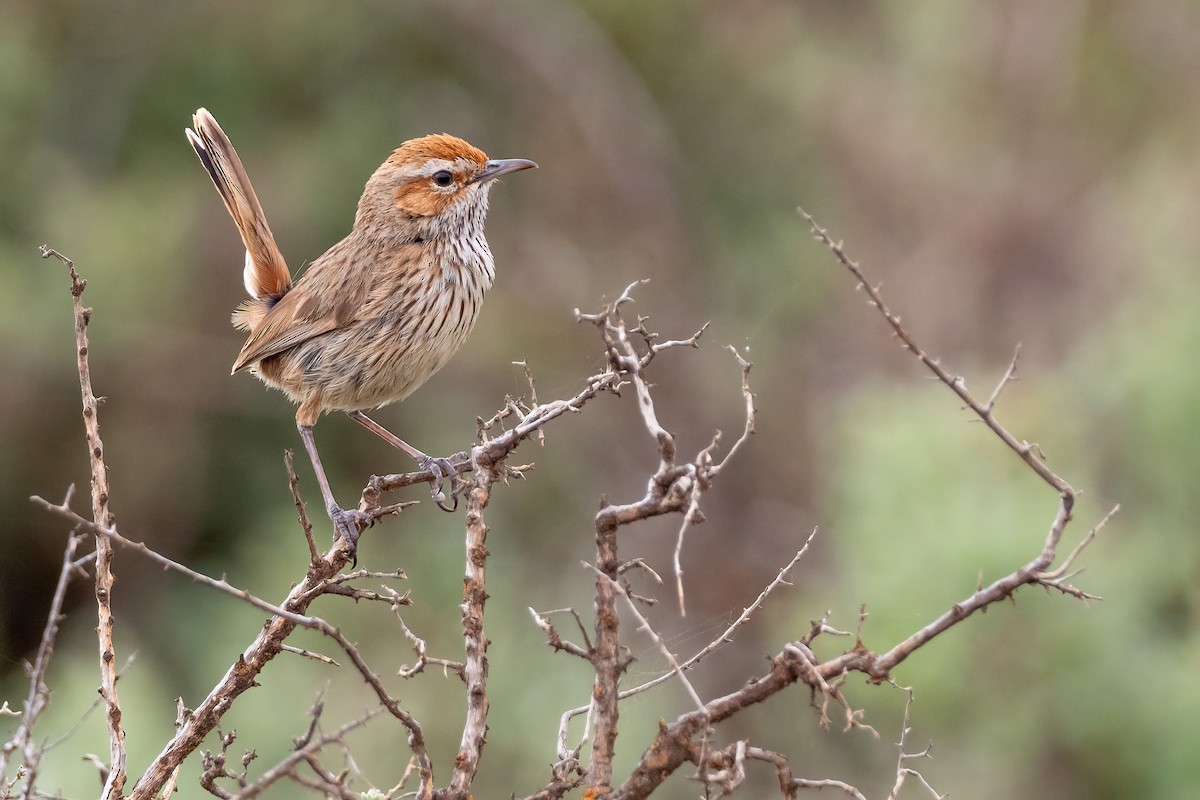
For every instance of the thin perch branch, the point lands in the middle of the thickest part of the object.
(114, 786)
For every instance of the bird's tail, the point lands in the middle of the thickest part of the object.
(266, 275)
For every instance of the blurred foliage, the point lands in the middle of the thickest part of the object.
(1011, 172)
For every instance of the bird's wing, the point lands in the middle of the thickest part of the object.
(288, 323)
(333, 294)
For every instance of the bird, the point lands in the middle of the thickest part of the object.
(381, 311)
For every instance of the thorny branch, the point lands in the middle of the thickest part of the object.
(114, 784)
(674, 487)
(645, 626)
(305, 752)
(487, 462)
(725, 637)
(475, 667)
(1026, 451)
(1035, 571)
(686, 738)
(269, 643)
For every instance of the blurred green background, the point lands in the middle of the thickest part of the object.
(1020, 172)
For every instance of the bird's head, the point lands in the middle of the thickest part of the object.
(435, 178)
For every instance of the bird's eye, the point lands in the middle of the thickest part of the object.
(443, 178)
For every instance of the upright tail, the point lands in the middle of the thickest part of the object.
(266, 275)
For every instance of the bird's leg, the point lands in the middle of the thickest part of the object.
(441, 468)
(348, 523)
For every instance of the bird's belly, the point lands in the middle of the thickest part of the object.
(370, 363)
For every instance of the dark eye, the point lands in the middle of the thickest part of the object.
(443, 178)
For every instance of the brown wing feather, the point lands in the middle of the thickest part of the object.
(266, 273)
(332, 294)
(285, 325)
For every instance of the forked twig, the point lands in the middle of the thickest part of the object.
(1029, 453)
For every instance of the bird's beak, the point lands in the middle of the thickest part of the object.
(501, 166)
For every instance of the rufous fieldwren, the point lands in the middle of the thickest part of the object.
(383, 309)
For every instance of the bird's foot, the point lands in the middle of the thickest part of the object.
(348, 525)
(442, 470)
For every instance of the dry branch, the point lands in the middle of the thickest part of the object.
(685, 739)
(475, 667)
(675, 486)
(1036, 571)
(114, 784)
(270, 641)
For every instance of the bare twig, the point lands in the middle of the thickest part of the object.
(294, 485)
(827, 783)
(419, 646)
(1055, 577)
(1009, 375)
(340, 585)
(38, 696)
(495, 450)
(215, 768)
(182, 712)
(748, 397)
(725, 637)
(305, 750)
(709, 470)
(689, 518)
(114, 786)
(554, 640)
(644, 624)
(903, 771)
(541, 436)
(1027, 452)
(300, 651)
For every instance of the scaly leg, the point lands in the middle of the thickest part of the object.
(348, 523)
(440, 467)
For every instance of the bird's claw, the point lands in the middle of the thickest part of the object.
(441, 469)
(348, 525)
